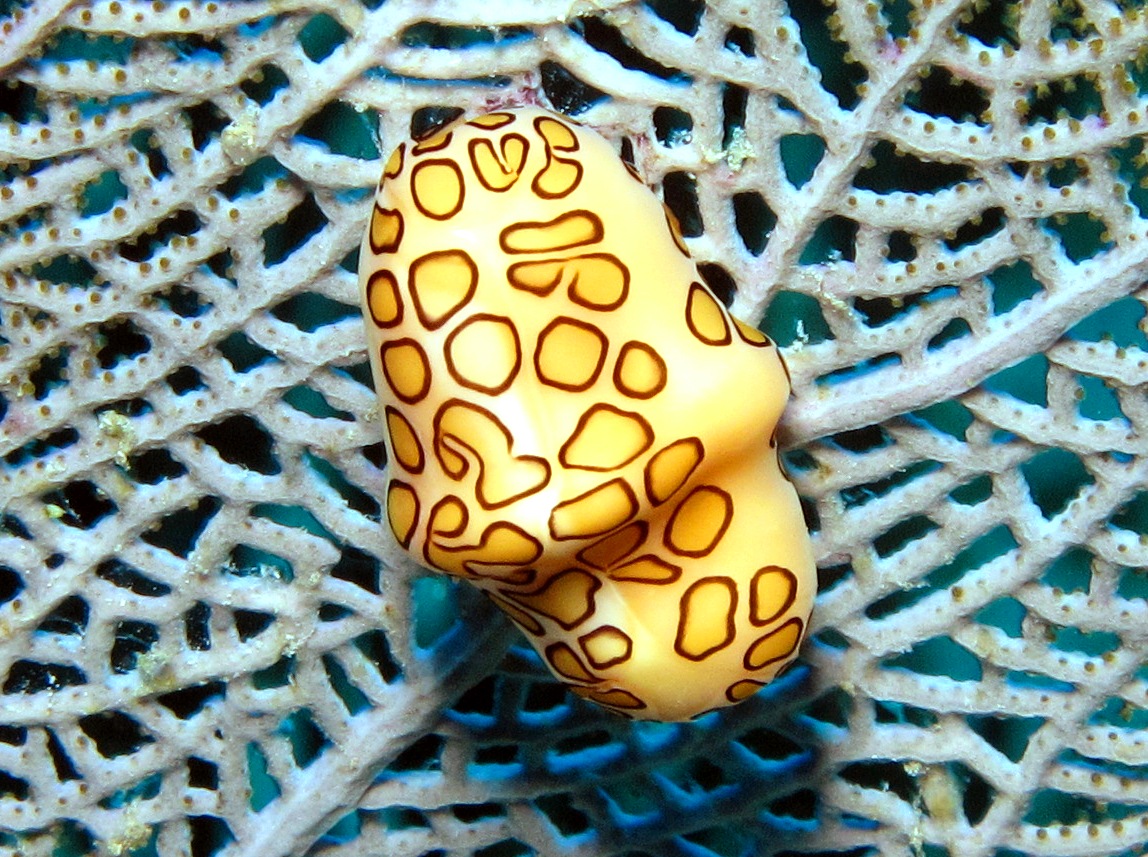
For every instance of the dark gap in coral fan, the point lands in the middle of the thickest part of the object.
(1055, 477)
(132, 639)
(497, 756)
(953, 330)
(66, 270)
(145, 142)
(1012, 285)
(11, 584)
(359, 568)
(10, 525)
(115, 733)
(182, 223)
(1062, 173)
(544, 697)
(879, 311)
(800, 806)
(977, 228)
(800, 154)
(1009, 736)
(50, 372)
(902, 534)
(182, 301)
(446, 37)
(684, 15)
(242, 353)
(825, 47)
(741, 40)
(589, 749)
(1133, 515)
(22, 103)
(309, 311)
(723, 840)
(977, 795)
(1121, 323)
(251, 623)
(209, 834)
(279, 674)
(834, 240)
(992, 22)
(101, 193)
(833, 707)
(560, 811)
(1082, 235)
(886, 777)
(681, 195)
(154, 466)
(719, 280)
(889, 170)
(222, 265)
(119, 573)
(1026, 381)
(321, 36)
(1094, 644)
(197, 48)
(32, 677)
(343, 130)
(184, 380)
(81, 504)
(1053, 808)
(375, 647)
(1097, 400)
(281, 240)
(1132, 167)
(42, 448)
(262, 86)
(1075, 97)
(247, 561)
(862, 440)
(733, 106)
(353, 699)
(197, 627)
(672, 127)
(423, 755)
(829, 576)
(479, 699)
(885, 711)
(356, 498)
(262, 787)
(974, 492)
(242, 440)
(427, 121)
(769, 745)
(13, 786)
(565, 92)
(330, 612)
(251, 180)
(70, 616)
(506, 848)
(178, 531)
(1070, 572)
(859, 495)
(939, 656)
(205, 121)
(121, 340)
(61, 762)
(1070, 23)
(190, 701)
(603, 37)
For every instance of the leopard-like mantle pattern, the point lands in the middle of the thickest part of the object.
(210, 645)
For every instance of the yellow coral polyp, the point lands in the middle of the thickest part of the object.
(575, 424)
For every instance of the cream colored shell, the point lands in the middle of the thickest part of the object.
(575, 424)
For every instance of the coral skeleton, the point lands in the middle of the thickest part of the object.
(210, 644)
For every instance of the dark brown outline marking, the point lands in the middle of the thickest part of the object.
(697, 289)
(647, 349)
(749, 664)
(594, 585)
(619, 572)
(760, 619)
(520, 617)
(560, 321)
(674, 226)
(616, 698)
(551, 147)
(404, 541)
(741, 327)
(646, 479)
(444, 162)
(683, 617)
(667, 536)
(436, 140)
(554, 649)
(448, 500)
(492, 121)
(401, 152)
(499, 156)
(611, 630)
(469, 383)
(427, 321)
(440, 442)
(588, 415)
(538, 122)
(393, 283)
(416, 466)
(734, 693)
(626, 489)
(391, 246)
(640, 530)
(572, 290)
(402, 343)
(597, 232)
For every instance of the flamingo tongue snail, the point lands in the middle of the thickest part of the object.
(574, 423)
